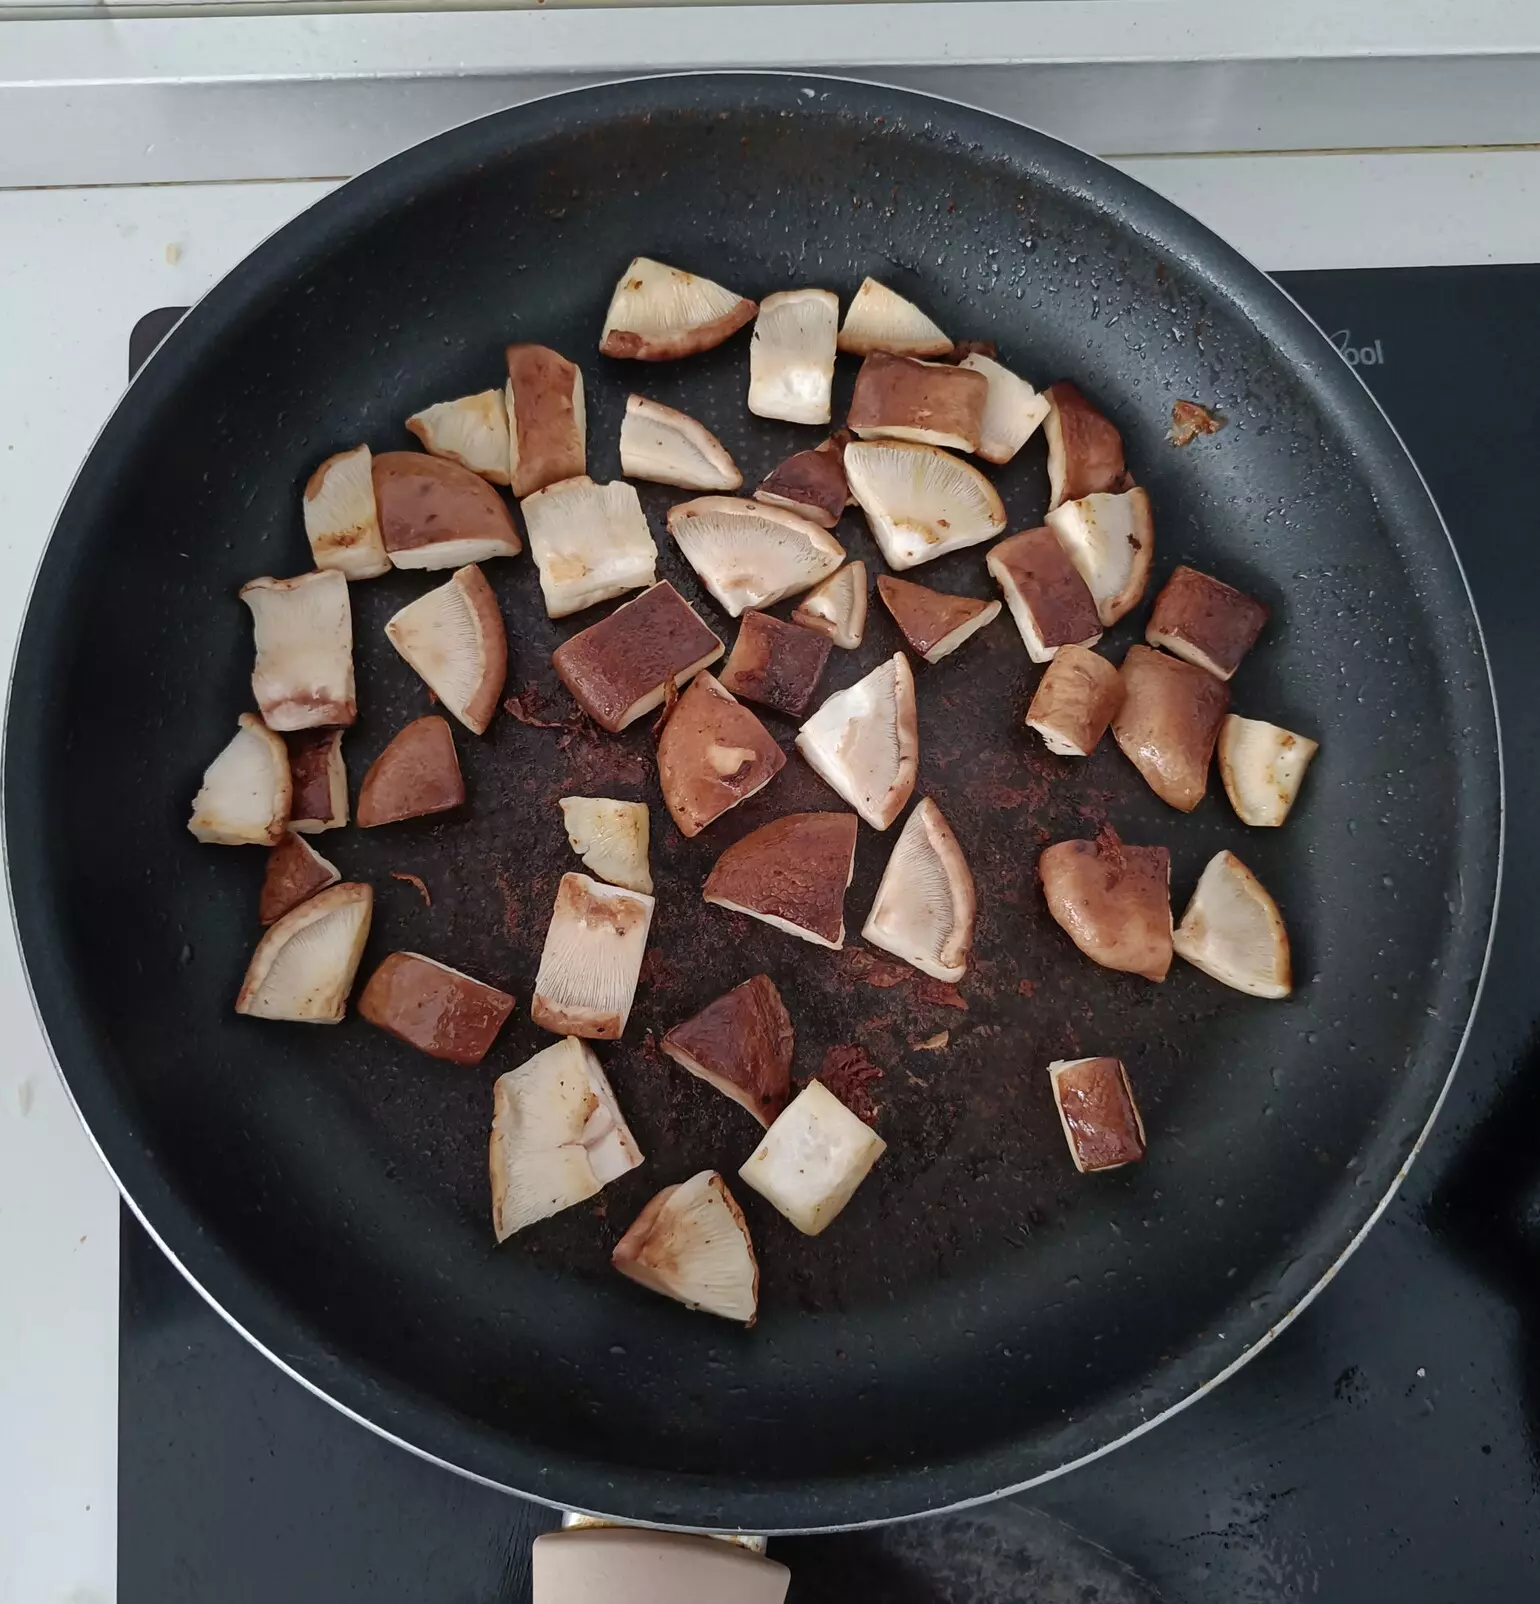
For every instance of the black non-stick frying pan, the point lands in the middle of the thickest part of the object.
(981, 1316)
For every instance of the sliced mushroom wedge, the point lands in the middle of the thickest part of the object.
(837, 607)
(590, 543)
(880, 319)
(865, 742)
(558, 1136)
(659, 313)
(1013, 410)
(813, 1158)
(742, 1044)
(920, 501)
(1113, 901)
(436, 1009)
(304, 966)
(436, 514)
(1205, 621)
(547, 418)
(472, 431)
(903, 398)
(612, 839)
(791, 356)
(1075, 701)
(712, 755)
(246, 792)
(775, 663)
(295, 871)
(1111, 541)
(454, 638)
(341, 521)
(1168, 723)
(1233, 931)
(303, 676)
(691, 1243)
(591, 960)
(811, 483)
(667, 447)
(926, 903)
(1097, 1110)
(791, 873)
(417, 774)
(934, 623)
(748, 554)
(320, 781)
(1262, 766)
(1049, 601)
(1085, 450)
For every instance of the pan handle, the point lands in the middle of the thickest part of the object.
(630, 1565)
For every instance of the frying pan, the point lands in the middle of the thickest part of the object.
(981, 1316)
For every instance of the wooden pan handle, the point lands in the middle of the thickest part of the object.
(626, 1565)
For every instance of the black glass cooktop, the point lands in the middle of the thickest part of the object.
(1386, 1447)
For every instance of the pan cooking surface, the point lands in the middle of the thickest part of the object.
(980, 1315)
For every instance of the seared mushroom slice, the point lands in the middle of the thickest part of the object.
(865, 742)
(320, 781)
(472, 431)
(667, 447)
(776, 664)
(295, 871)
(934, 403)
(1097, 1110)
(558, 1136)
(933, 622)
(837, 607)
(590, 542)
(748, 554)
(246, 792)
(304, 966)
(1013, 410)
(811, 483)
(611, 838)
(1205, 621)
(434, 1008)
(659, 313)
(1233, 931)
(880, 319)
(920, 501)
(1075, 701)
(418, 773)
(1047, 597)
(1262, 766)
(691, 1243)
(547, 419)
(341, 521)
(1111, 540)
(813, 1158)
(454, 638)
(621, 667)
(791, 356)
(304, 633)
(1113, 900)
(1085, 451)
(436, 514)
(591, 960)
(791, 873)
(742, 1044)
(1168, 723)
(925, 904)
(712, 755)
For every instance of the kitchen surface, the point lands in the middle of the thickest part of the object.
(1387, 167)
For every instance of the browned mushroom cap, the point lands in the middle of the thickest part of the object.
(1075, 701)
(791, 873)
(902, 398)
(434, 1008)
(837, 607)
(453, 636)
(741, 1044)
(1113, 900)
(812, 483)
(417, 773)
(320, 781)
(1205, 621)
(659, 313)
(1085, 450)
(621, 667)
(776, 664)
(713, 755)
(1045, 593)
(1168, 723)
(1097, 1110)
(436, 514)
(295, 871)
(547, 419)
(934, 623)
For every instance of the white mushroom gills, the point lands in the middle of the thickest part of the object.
(1263, 766)
(691, 1243)
(813, 1158)
(880, 319)
(1110, 539)
(837, 607)
(920, 501)
(1013, 412)
(1233, 931)
(472, 431)
(748, 554)
(342, 522)
(448, 640)
(668, 447)
(612, 838)
(672, 312)
(926, 903)
(303, 968)
(303, 678)
(590, 543)
(864, 742)
(791, 356)
(246, 792)
(558, 1136)
(591, 959)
